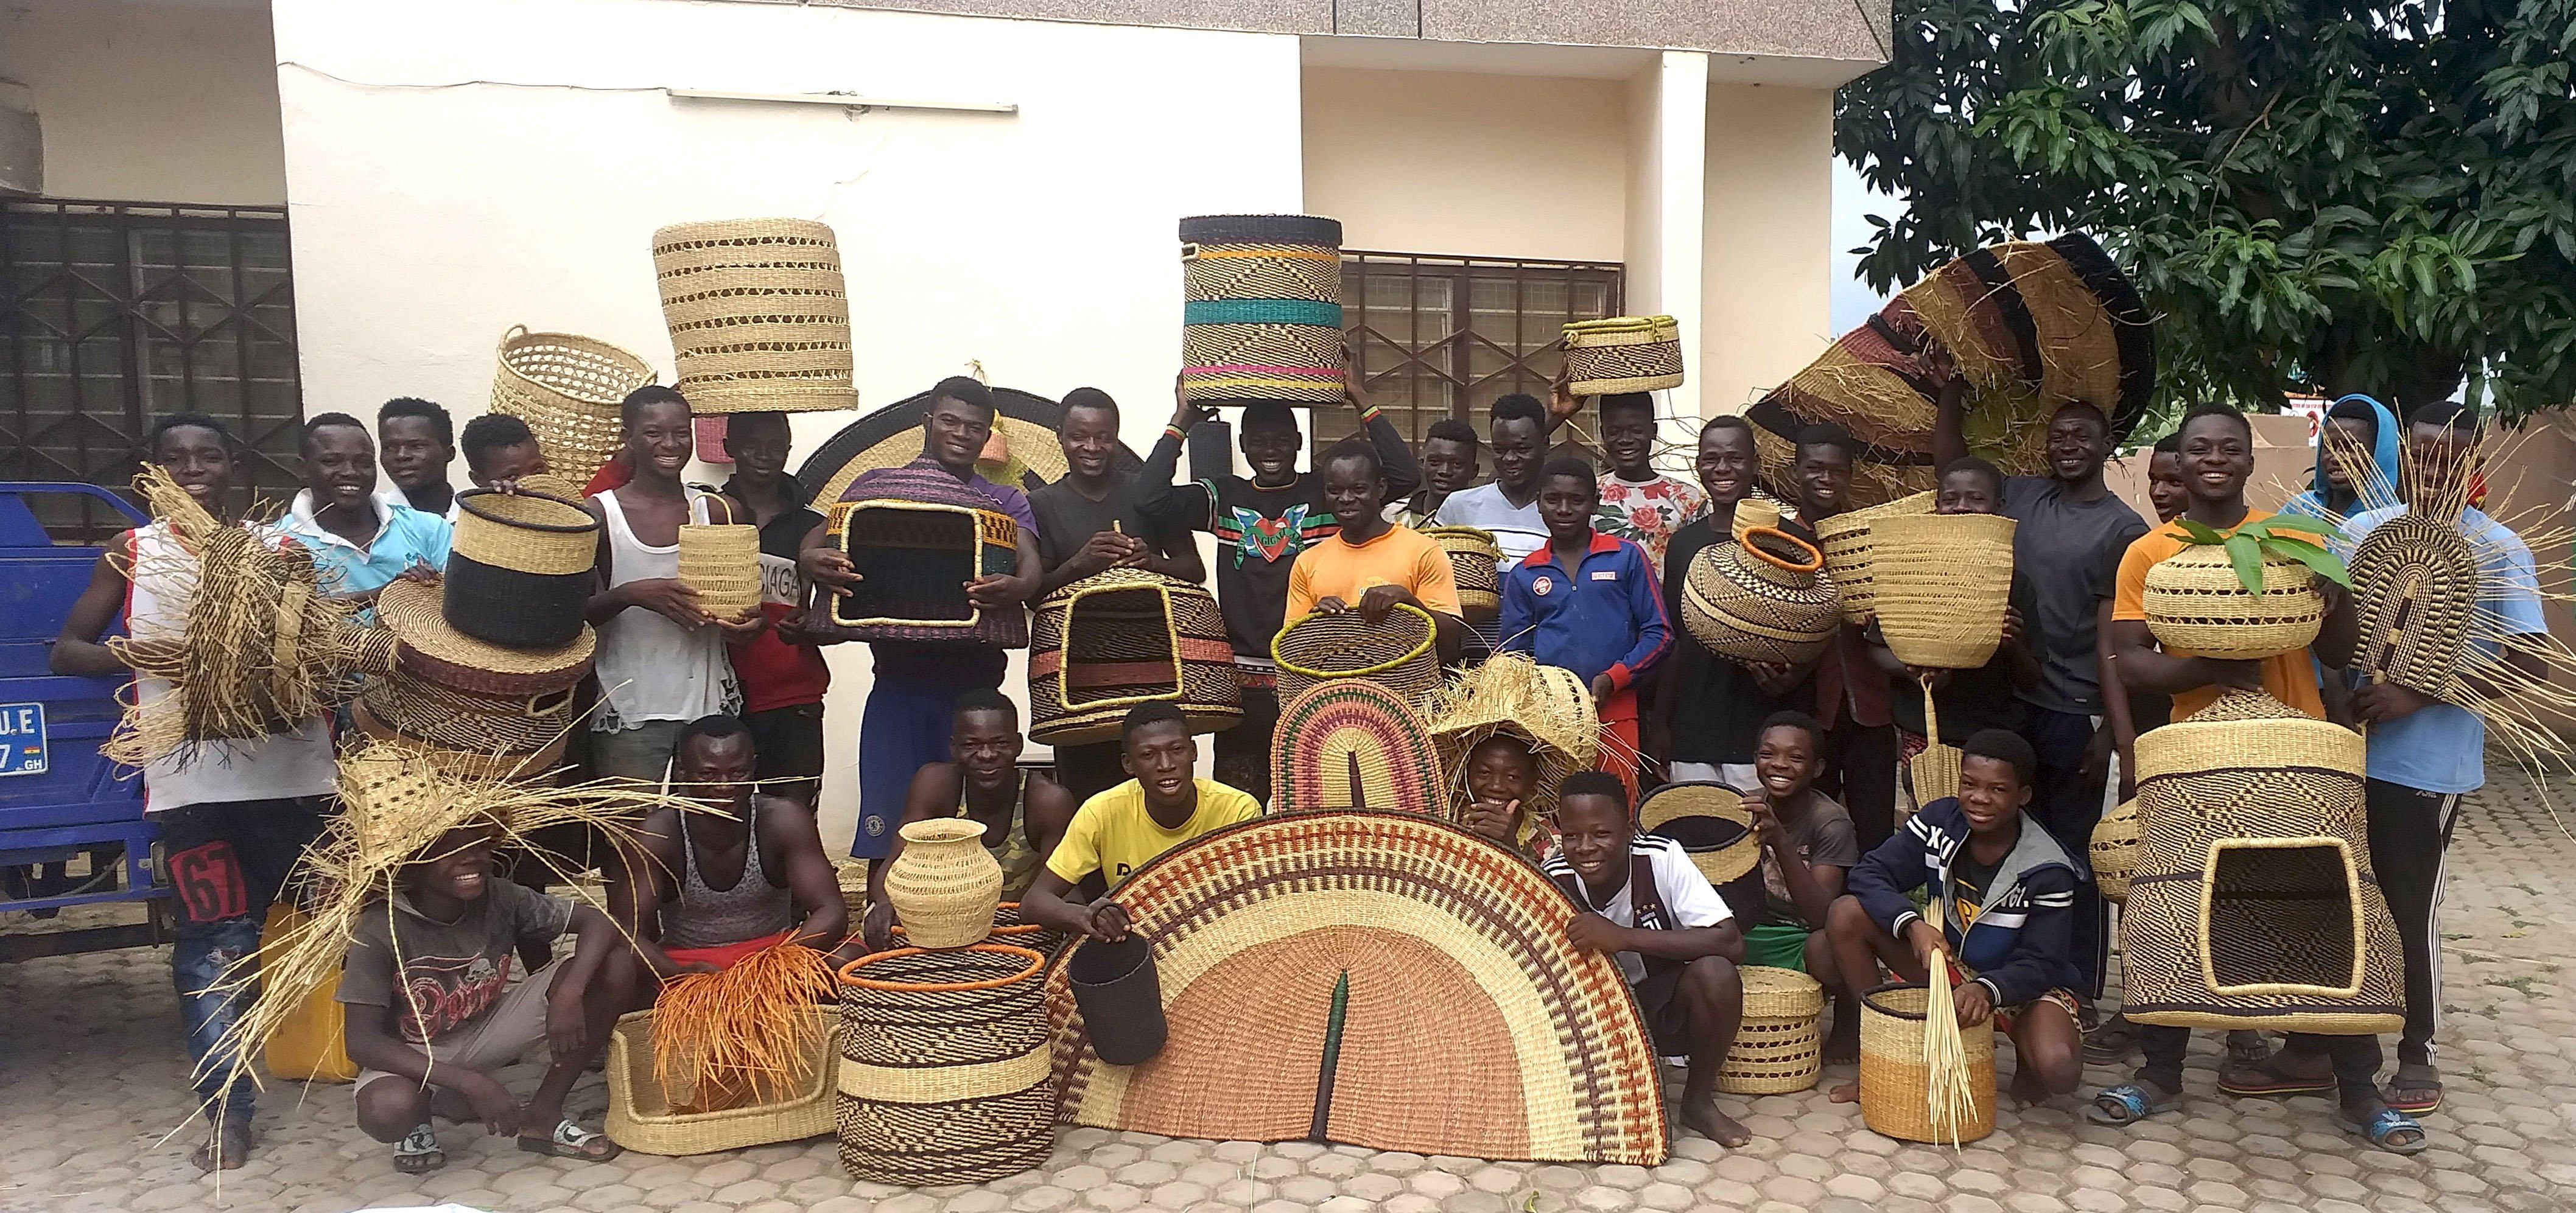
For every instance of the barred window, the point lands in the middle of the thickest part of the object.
(1443, 336)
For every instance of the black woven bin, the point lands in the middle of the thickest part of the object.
(1121, 997)
(514, 609)
(1261, 229)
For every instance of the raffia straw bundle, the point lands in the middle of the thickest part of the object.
(743, 1035)
(1950, 1097)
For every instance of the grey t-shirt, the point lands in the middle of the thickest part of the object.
(1822, 835)
(443, 976)
(2057, 546)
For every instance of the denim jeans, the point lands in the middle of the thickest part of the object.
(198, 959)
(227, 863)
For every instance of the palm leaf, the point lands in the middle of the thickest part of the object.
(2247, 554)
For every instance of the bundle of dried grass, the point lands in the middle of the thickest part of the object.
(1950, 1094)
(741, 1036)
(263, 647)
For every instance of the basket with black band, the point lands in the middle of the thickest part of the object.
(758, 313)
(519, 568)
(1111, 641)
(1623, 354)
(914, 559)
(1394, 652)
(946, 1075)
(1477, 564)
(1766, 598)
(1263, 315)
(567, 389)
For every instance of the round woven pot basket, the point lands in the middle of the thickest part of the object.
(1753, 513)
(722, 563)
(567, 389)
(2114, 851)
(758, 313)
(945, 1076)
(1111, 641)
(945, 884)
(519, 569)
(1779, 1048)
(1940, 584)
(2195, 603)
(1895, 1085)
(1623, 354)
(1477, 563)
(1845, 541)
(1766, 598)
(1395, 652)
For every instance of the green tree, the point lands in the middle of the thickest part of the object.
(2328, 195)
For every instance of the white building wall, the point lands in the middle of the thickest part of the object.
(460, 166)
(150, 100)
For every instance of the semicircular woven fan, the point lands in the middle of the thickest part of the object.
(1353, 744)
(1384, 980)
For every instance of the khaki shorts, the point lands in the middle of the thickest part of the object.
(509, 1029)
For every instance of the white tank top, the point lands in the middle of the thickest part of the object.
(293, 763)
(649, 667)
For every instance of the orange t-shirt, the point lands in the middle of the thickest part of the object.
(1338, 568)
(2289, 677)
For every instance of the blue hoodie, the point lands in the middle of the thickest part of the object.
(2022, 944)
(2383, 454)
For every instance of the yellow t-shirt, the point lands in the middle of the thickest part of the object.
(1114, 835)
(1338, 568)
(2289, 677)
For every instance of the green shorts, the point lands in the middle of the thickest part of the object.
(1778, 945)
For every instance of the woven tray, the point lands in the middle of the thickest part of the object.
(1395, 652)
(1352, 744)
(640, 1116)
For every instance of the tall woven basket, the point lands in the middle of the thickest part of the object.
(1116, 639)
(1263, 317)
(1765, 598)
(945, 1076)
(1477, 563)
(1894, 1083)
(1846, 542)
(2195, 603)
(759, 316)
(721, 561)
(519, 568)
(2114, 851)
(1395, 652)
(1778, 1048)
(567, 389)
(2254, 904)
(1623, 354)
(1940, 584)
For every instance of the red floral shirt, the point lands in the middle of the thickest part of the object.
(1648, 513)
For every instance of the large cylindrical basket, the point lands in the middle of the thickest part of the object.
(1263, 315)
(721, 561)
(1477, 564)
(1940, 585)
(1394, 652)
(567, 388)
(758, 313)
(945, 1073)
(1767, 598)
(1895, 1085)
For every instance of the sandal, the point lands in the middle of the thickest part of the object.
(2112, 1040)
(418, 1153)
(2265, 1079)
(226, 1149)
(572, 1141)
(2415, 1089)
(2130, 1103)
(2246, 1047)
(2387, 1131)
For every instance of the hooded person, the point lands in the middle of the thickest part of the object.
(2354, 422)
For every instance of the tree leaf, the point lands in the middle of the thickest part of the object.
(2247, 554)
(2200, 533)
(2320, 561)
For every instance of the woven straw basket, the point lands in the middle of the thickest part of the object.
(2195, 604)
(461, 763)
(915, 558)
(1846, 542)
(722, 563)
(1894, 1084)
(1263, 317)
(519, 568)
(567, 389)
(639, 1111)
(945, 884)
(1477, 564)
(2114, 851)
(1123, 637)
(464, 720)
(1779, 1048)
(433, 651)
(1935, 771)
(1765, 598)
(759, 316)
(1395, 652)
(1623, 354)
(1940, 584)
(1753, 513)
(945, 1073)
(1708, 819)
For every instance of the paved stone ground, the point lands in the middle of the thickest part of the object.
(90, 1089)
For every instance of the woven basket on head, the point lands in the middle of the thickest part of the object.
(1894, 1082)
(1753, 513)
(759, 316)
(1710, 822)
(722, 563)
(458, 763)
(2415, 589)
(2254, 904)
(640, 1115)
(1940, 584)
(567, 389)
(1263, 318)
(1845, 541)
(432, 650)
(1935, 771)
(2196, 604)
(1477, 563)
(945, 884)
(944, 1075)
(1116, 639)
(1394, 652)
(2114, 851)
(914, 558)
(1352, 744)
(1345, 976)
(1765, 598)
(1778, 1048)
(519, 568)
(1623, 354)
(1511, 695)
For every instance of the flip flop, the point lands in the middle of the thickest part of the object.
(418, 1153)
(2110, 1041)
(2387, 1124)
(574, 1142)
(2129, 1103)
(2415, 1090)
(2264, 1080)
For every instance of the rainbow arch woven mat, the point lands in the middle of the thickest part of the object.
(1351, 743)
(1384, 980)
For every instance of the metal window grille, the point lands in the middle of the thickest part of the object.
(1442, 336)
(115, 314)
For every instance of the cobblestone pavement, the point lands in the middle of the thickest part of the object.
(91, 1087)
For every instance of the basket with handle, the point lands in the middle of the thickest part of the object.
(1623, 354)
(721, 561)
(567, 388)
(1935, 771)
(1940, 584)
(1894, 1079)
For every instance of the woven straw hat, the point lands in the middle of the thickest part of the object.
(1511, 695)
(1710, 821)
(437, 652)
